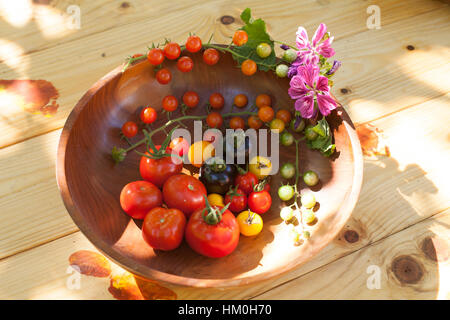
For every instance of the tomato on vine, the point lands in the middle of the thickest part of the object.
(237, 123)
(191, 99)
(284, 115)
(254, 122)
(193, 44)
(163, 76)
(148, 115)
(216, 100)
(263, 50)
(240, 38)
(172, 50)
(263, 100)
(214, 120)
(277, 125)
(266, 114)
(169, 103)
(211, 56)
(155, 56)
(248, 67)
(129, 129)
(240, 100)
(185, 64)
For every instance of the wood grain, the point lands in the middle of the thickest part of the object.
(88, 63)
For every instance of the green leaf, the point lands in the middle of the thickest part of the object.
(324, 142)
(246, 15)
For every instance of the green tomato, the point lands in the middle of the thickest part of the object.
(287, 170)
(311, 178)
(286, 138)
(263, 50)
(282, 70)
(286, 213)
(290, 55)
(308, 200)
(300, 126)
(286, 193)
(309, 216)
(310, 134)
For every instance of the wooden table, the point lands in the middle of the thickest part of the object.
(395, 78)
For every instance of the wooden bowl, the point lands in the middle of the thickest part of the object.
(90, 183)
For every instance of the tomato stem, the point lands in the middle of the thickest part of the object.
(230, 50)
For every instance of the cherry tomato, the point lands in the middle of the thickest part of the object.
(248, 67)
(246, 182)
(260, 166)
(185, 193)
(240, 38)
(237, 200)
(214, 120)
(155, 56)
(254, 122)
(185, 64)
(250, 223)
(157, 171)
(263, 50)
(170, 103)
(216, 100)
(191, 99)
(139, 197)
(259, 201)
(148, 115)
(129, 129)
(163, 76)
(237, 123)
(276, 125)
(212, 240)
(240, 100)
(193, 44)
(263, 100)
(284, 115)
(179, 146)
(163, 229)
(266, 114)
(215, 199)
(172, 50)
(211, 56)
(199, 152)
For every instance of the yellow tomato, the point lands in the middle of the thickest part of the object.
(250, 223)
(260, 167)
(215, 199)
(276, 125)
(199, 152)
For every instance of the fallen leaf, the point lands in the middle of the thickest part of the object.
(126, 286)
(372, 141)
(33, 96)
(90, 263)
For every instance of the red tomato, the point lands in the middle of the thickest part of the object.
(184, 192)
(179, 146)
(237, 123)
(163, 229)
(139, 197)
(260, 201)
(148, 115)
(216, 100)
(246, 182)
(155, 56)
(157, 171)
(211, 56)
(193, 44)
(237, 200)
(191, 99)
(170, 103)
(163, 76)
(240, 38)
(185, 64)
(214, 120)
(172, 50)
(213, 241)
(129, 129)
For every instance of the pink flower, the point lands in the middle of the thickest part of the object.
(308, 87)
(309, 51)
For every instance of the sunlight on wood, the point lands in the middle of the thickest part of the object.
(17, 12)
(52, 22)
(11, 54)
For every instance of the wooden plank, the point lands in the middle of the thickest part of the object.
(412, 264)
(416, 189)
(91, 57)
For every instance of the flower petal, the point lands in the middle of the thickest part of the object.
(326, 103)
(306, 106)
(318, 35)
(309, 73)
(302, 40)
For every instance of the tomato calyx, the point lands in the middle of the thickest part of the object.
(251, 216)
(233, 192)
(213, 215)
(153, 151)
(260, 186)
